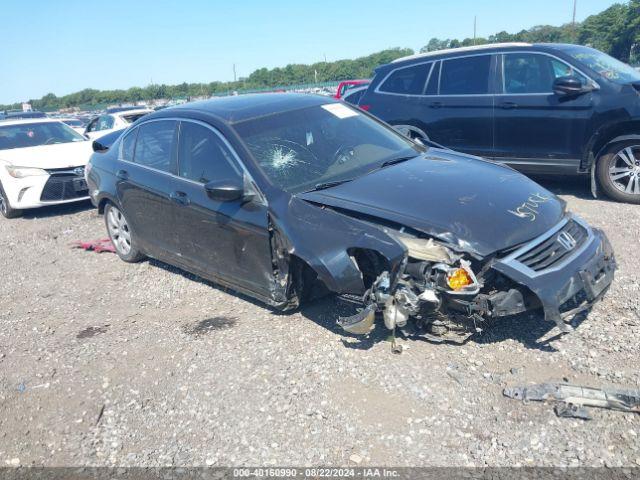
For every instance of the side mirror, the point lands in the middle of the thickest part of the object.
(570, 85)
(99, 147)
(225, 190)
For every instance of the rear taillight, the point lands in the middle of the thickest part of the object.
(365, 107)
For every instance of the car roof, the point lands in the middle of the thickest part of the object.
(234, 109)
(472, 48)
(22, 121)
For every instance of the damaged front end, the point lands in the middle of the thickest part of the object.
(452, 294)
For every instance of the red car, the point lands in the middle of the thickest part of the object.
(348, 84)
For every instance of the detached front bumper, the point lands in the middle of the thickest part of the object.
(574, 283)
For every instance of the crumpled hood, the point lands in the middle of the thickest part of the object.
(477, 205)
(61, 155)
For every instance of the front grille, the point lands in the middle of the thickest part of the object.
(64, 184)
(554, 249)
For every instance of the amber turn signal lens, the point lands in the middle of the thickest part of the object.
(458, 279)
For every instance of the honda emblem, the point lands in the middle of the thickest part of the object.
(566, 240)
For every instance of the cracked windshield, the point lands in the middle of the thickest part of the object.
(303, 149)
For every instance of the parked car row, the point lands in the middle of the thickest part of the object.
(542, 108)
(113, 120)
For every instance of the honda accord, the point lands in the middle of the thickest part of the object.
(285, 197)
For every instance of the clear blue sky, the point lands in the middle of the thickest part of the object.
(66, 45)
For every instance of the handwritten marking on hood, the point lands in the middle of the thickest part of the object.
(530, 208)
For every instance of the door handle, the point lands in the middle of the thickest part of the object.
(122, 174)
(180, 198)
(435, 105)
(508, 105)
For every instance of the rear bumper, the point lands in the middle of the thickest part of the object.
(571, 286)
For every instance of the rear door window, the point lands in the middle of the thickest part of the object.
(203, 156)
(465, 76)
(155, 146)
(407, 80)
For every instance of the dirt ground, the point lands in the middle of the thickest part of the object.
(107, 363)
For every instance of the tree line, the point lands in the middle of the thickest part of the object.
(260, 79)
(615, 31)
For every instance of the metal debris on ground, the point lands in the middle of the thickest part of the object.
(572, 399)
(98, 246)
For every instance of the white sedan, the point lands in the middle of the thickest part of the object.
(112, 121)
(42, 163)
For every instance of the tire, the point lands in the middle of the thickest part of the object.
(5, 208)
(121, 235)
(618, 171)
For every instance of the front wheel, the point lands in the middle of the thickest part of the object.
(120, 234)
(5, 208)
(618, 171)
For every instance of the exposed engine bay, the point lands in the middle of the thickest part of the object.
(450, 296)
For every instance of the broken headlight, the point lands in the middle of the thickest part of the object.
(426, 249)
(433, 256)
(460, 279)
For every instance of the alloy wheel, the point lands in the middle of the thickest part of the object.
(624, 170)
(119, 231)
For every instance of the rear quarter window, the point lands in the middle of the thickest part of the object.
(129, 145)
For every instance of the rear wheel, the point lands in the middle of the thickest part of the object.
(121, 235)
(5, 208)
(618, 171)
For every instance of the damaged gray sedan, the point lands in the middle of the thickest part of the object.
(288, 197)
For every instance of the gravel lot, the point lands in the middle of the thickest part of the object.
(106, 363)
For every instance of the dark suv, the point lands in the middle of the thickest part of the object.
(543, 108)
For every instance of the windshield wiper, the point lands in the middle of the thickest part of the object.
(394, 161)
(324, 185)
(335, 183)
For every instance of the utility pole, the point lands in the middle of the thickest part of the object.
(234, 73)
(573, 21)
(475, 18)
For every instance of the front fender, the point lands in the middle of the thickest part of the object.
(322, 238)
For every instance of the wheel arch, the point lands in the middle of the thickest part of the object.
(606, 136)
(103, 200)
(310, 282)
